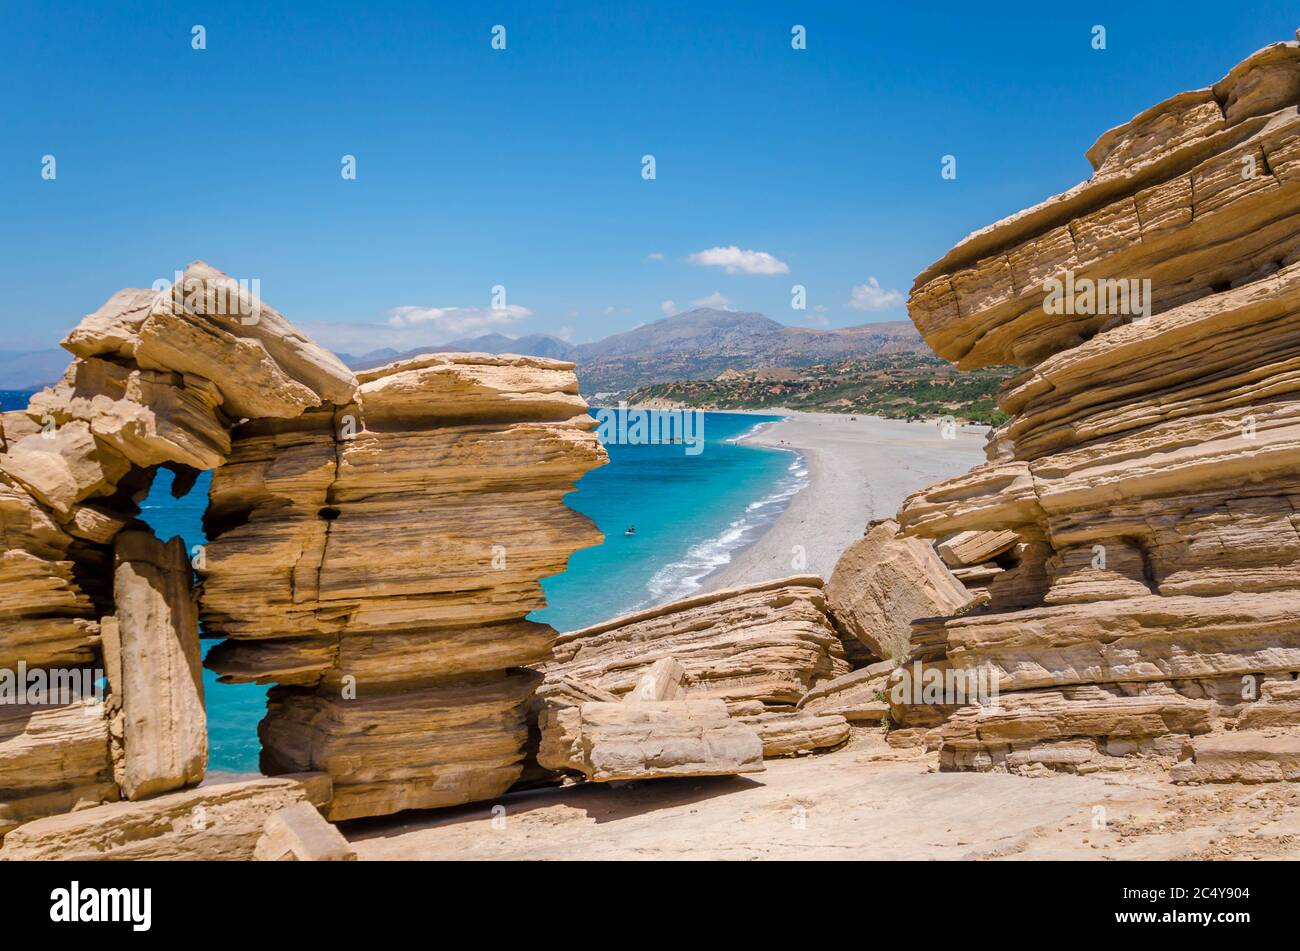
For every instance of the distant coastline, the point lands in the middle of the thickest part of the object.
(858, 469)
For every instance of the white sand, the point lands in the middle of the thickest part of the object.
(863, 801)
(859, 469)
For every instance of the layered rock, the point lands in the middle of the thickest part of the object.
(1148, 472)
(861, 696)
(650, 739)
(53, 759)
(222, 822)
(377, 560)
(790, 734)
(377, 543)
(159, 378)
(768, 642)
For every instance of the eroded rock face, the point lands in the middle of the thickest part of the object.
(769, 642)
(377, 543)
(158, 380)
(1149, 471)
(377, 561)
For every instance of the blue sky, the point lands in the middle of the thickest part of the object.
(522, 167)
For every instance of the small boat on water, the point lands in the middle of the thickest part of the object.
(631, 530)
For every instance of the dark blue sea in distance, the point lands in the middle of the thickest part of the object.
(692, 513)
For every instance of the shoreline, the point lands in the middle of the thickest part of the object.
(860, 468)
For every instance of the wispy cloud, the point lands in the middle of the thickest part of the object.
(715, 300)
(456, 320)
(653, 256)
(409, 327)
(871, 296)
(668, 307)
(737, 261)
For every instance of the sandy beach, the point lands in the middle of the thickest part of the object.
(859, 468)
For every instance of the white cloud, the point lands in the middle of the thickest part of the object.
(668, 307)
(565, 334)
(653, 256)
(409, 327)
(738, 261)
(715, 300)
(456, 320)
(871, 296)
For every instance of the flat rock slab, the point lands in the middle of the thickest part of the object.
(1243, 757)
(788, 734)
(647, 740)
(212, 823)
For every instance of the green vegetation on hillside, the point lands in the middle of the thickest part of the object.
(898, 386)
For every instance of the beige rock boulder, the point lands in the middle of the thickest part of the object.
(1247, 756)
(63, 466)
(972, 548)
(652, 739)
(791, 734)
(663, 681)
(298, 833)
(883, 583)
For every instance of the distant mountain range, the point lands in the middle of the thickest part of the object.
(32, 369)
(697, 344)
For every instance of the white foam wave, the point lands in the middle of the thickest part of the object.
(680, 578)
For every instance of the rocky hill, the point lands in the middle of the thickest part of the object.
(898, 386)
(697, 344)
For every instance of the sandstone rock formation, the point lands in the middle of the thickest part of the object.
(1148, 472)
(158, 380)
(377, 561)
(647, 739)
(768, 642)
(376, 543)
(222, 822)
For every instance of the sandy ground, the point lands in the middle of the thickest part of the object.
(863, 801)
(859, 469)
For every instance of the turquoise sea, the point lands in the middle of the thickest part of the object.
(691, 513)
